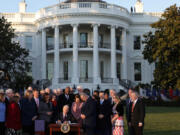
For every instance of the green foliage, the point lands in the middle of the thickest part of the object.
(163, 48)
(13, 59)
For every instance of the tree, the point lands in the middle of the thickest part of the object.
(162, 47)
(13, 59)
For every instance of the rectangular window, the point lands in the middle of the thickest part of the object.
(28, 42)
(65, 69)
(50, 42)
(117, 42)
(65, 39)
(137, 42)
(137, 71)
(29, 69)
(83, 39)
(118, 70)
(101, 40)
(102, 69)
(50, 68)
(84, 68)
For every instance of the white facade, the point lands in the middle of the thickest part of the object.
(85, 43)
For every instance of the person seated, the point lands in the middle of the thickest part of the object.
(65, 117)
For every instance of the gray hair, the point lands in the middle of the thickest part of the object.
(136, 93)
(9, 91)
(83, 94)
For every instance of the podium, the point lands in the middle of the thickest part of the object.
(75, 127)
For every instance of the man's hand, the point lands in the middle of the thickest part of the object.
(140, 124)
(58, 122)
(83, 116)
(49, 113)
(34, 118)
(101, 116)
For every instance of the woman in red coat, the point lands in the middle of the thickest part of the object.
(13, 119)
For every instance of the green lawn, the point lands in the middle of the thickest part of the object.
(161, 121)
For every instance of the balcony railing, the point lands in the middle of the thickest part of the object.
(85, 44)
(104, 45)
(107, 80)
(50, 47)
(66, 45)
(64, 80)
(118, 47)
(86, 80)
(76, 7)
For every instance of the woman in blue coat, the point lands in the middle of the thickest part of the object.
(28, 112)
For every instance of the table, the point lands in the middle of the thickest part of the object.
(56, 128)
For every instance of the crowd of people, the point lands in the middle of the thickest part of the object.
(100, 113)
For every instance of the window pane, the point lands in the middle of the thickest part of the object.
(137, 71)
(50, 42)
(28, 40)
(65, 70)
(29, 70)
(137, 42)
(119, 71)
(84, 69)
(102, 69)
(50, 70)
(83, 39)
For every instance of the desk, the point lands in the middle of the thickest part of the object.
(56, 128)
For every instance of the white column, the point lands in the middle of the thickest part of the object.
(43, 56)
(113, 53)
(56, 55)
(124, 55)
(75, 79)
(96, 77)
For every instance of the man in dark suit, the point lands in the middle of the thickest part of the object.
(137, 114)
(103, 115)
(65, 116)
(65, 99)
(128, 110)
(88, 114)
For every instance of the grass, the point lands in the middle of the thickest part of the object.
(161, 121)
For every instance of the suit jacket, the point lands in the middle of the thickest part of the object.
(105, 109)
(128, 109)
(89, 110)
(62, 100)
(68, 117)
(43, 109)
(138, 114)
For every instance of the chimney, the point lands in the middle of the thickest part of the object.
(22, 6)
(139, 7)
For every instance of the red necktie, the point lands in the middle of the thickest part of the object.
(133, 107)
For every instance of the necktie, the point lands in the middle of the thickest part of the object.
(133, 104)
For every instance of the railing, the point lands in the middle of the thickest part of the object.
(66, 45)
(84, 5)
(104, 45)
(107, 80)
(44, 83)
(127, 83)
(64, 80)
(86, 80)
(50, 47)
(85, 44)
(80, 6)
(118, 47)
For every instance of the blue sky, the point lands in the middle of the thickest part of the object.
(35, 5)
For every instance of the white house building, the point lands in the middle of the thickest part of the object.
(85, 42)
